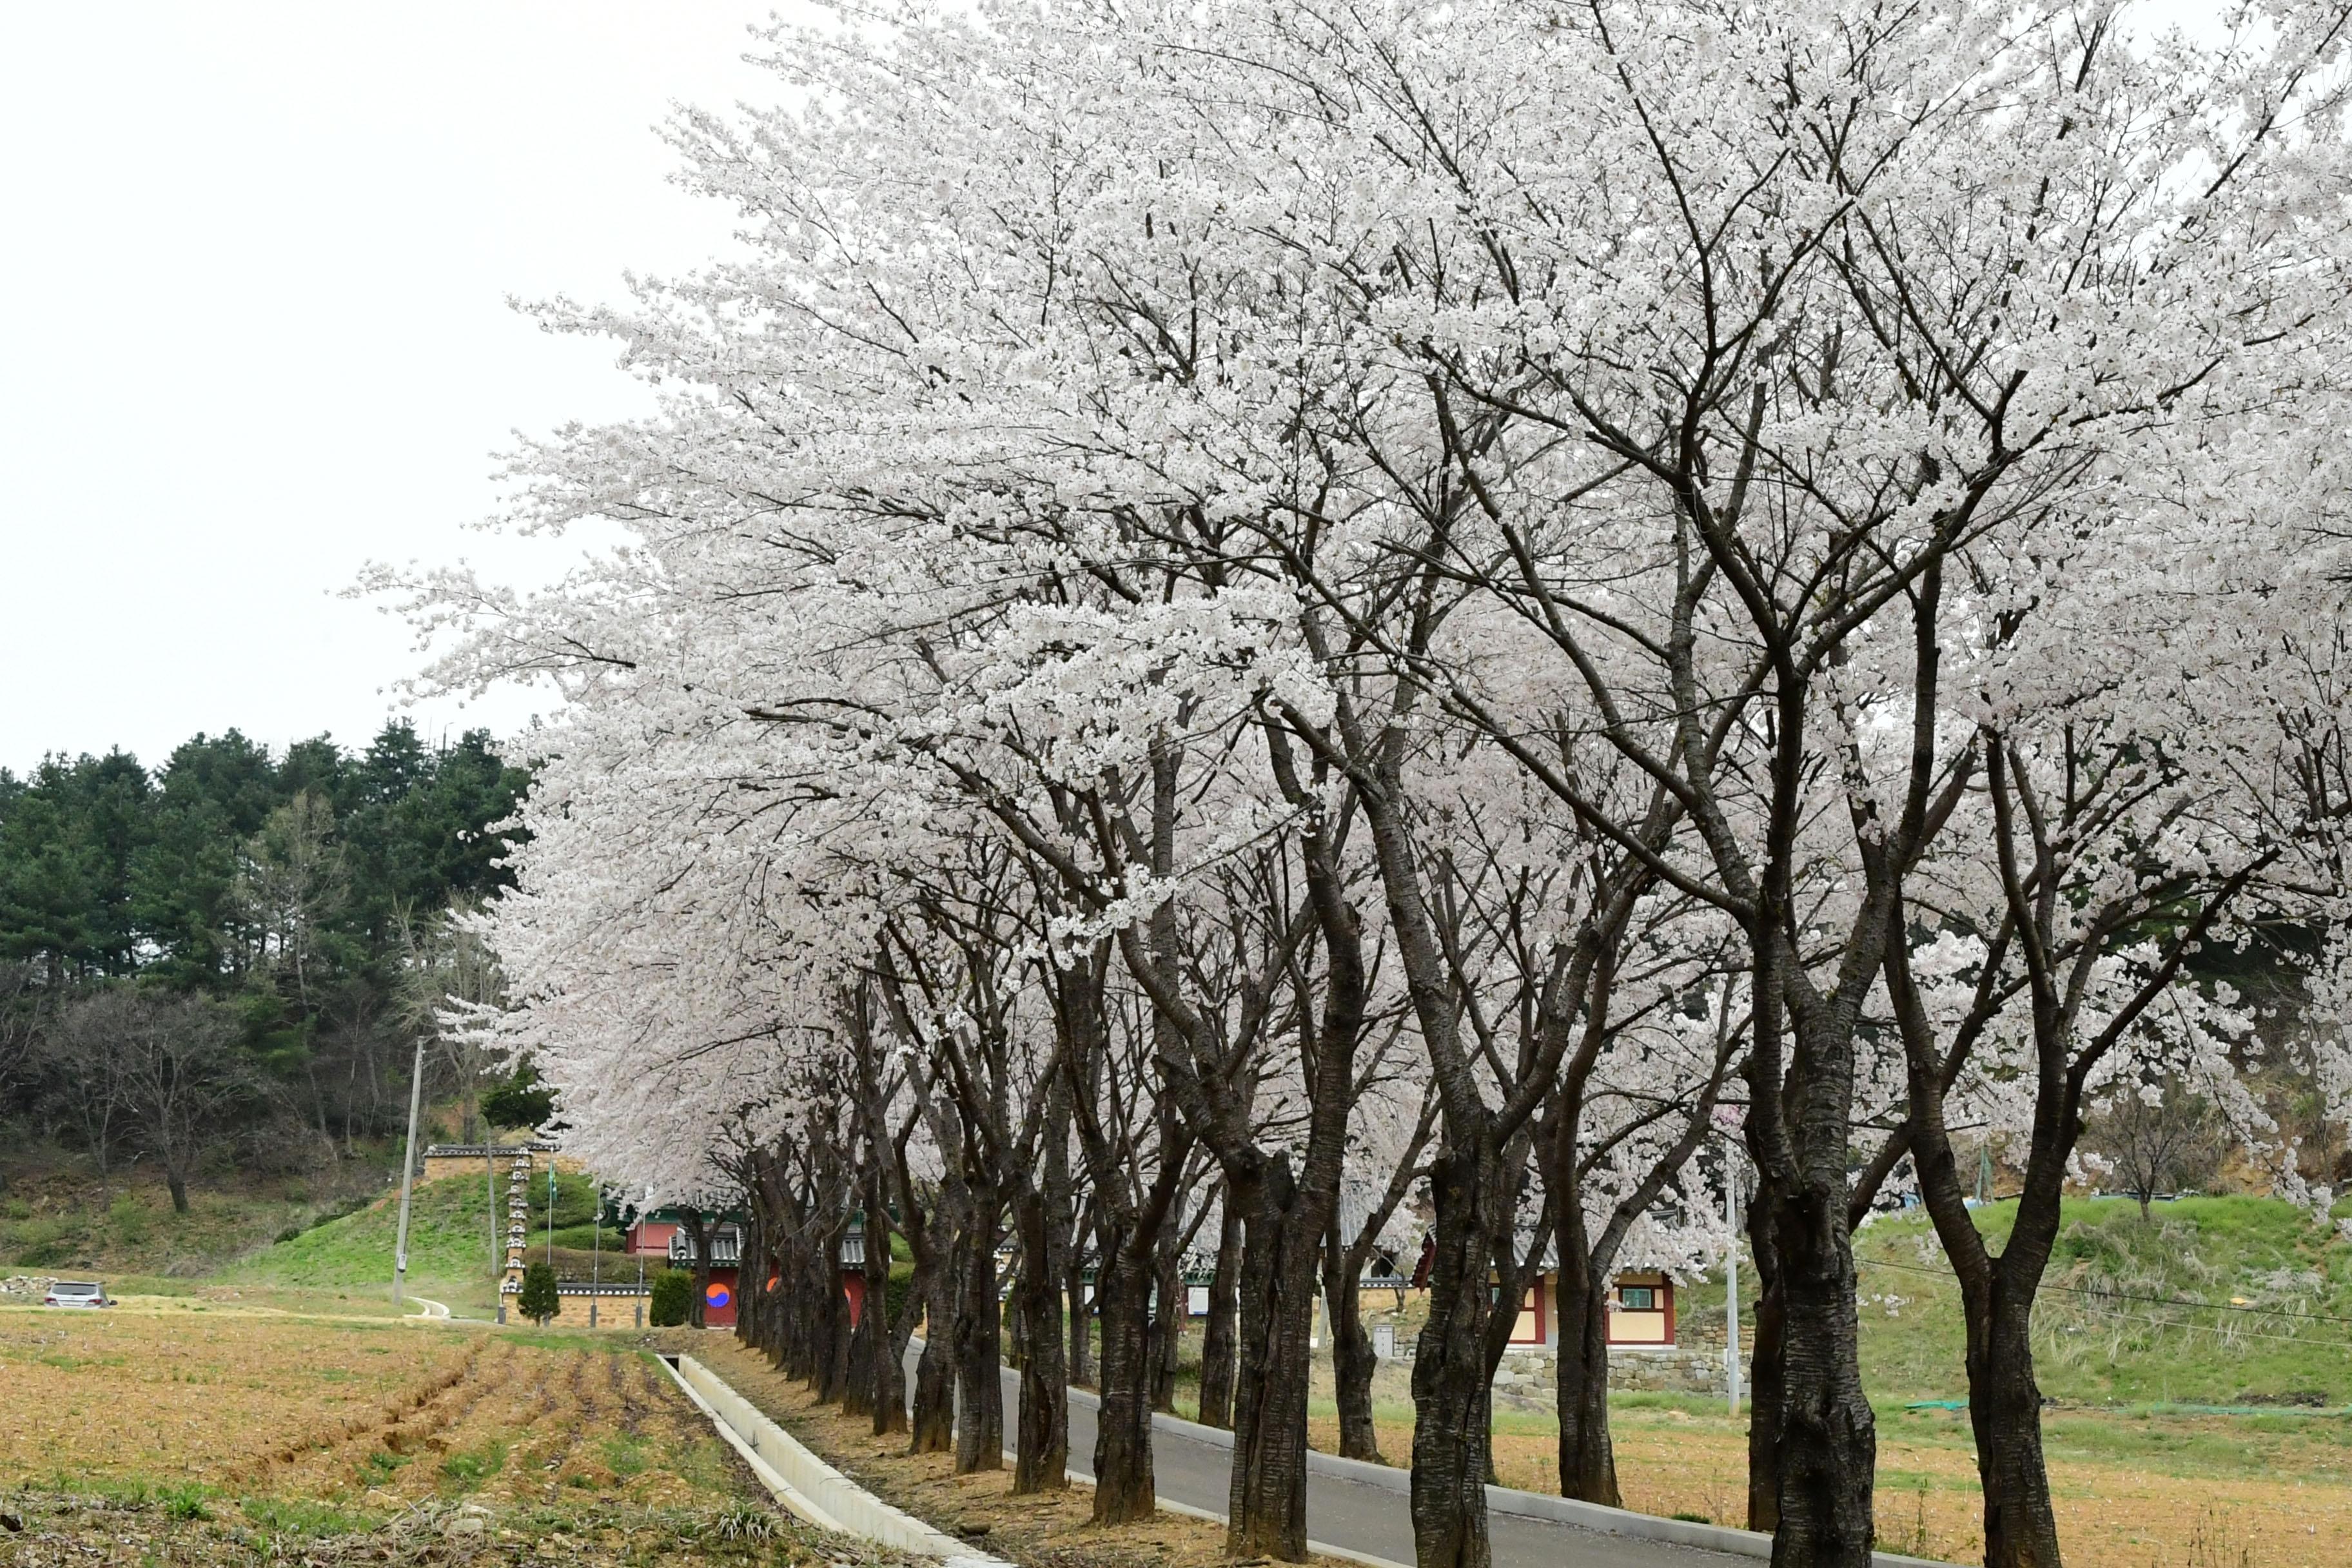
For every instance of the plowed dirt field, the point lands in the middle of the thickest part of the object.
(219, 1438)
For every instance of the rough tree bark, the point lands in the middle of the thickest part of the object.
(1124, 1486)
(1217, 1349)
(885, 1377)
(1041, 1453)
(1587, 1460)
(1167, 1317)
(931, 1423)
(1353, 1364)
(1765, 1373)
(1452, 1434)
(979, 1323)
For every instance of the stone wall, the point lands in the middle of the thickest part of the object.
(1527, 1380)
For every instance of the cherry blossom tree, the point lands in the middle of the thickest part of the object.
(1617, 551)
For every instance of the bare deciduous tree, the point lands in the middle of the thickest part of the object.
(165, 1069)
(2160, 1135)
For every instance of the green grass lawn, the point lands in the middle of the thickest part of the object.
(449, 1255)
(2265, 1286)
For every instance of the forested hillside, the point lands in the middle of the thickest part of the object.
(227, 958)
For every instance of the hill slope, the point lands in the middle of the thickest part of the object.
(2220, 1300)
(449, 1255)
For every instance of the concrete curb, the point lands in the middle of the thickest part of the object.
(806, 1484)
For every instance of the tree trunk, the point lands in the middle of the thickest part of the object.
(885, 1374)
(1124, 1488)
(179, 1185)
(1764, 1374)
(1829, 1441)
(1451, 1396)
(698, 1236)
(1082, 1316)
(1352, 1363)
(1587, 1461)
(2005, 1409)
(2020, 1528)
(1167, 1317)
(933, 1422)
(857, 1388)
(1282, 1239)
(1041, 1459)
(836, 1347)
(1217, 1349)
(863, 1331)
(979, 1323)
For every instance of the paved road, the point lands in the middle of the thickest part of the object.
(1356, 1518)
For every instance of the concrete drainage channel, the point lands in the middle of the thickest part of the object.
(805, 1484)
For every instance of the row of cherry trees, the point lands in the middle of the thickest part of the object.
(1249, 626)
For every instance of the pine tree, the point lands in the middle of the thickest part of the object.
(673, 1297)
(539, 1300)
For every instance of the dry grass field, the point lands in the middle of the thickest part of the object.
(219, 1436)
(365, 1413)
(2171, 1492)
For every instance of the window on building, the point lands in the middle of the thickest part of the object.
(1637, 1298)
(1527, 1329)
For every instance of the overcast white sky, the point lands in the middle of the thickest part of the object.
(255, 269)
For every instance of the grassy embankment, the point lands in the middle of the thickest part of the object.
(449, 1255)
(284, 1243)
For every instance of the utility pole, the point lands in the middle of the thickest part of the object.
(550, 1213)
(407, 1174)
(596, 1255)
(1732, 1276)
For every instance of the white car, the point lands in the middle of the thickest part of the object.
(76, 1293)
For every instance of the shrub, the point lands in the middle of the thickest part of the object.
(673, 1297)
(539, 1300)
(127, 1217)
(45, 1253)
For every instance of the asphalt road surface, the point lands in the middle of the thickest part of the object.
(1361, 1519)
(1354, 1517)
